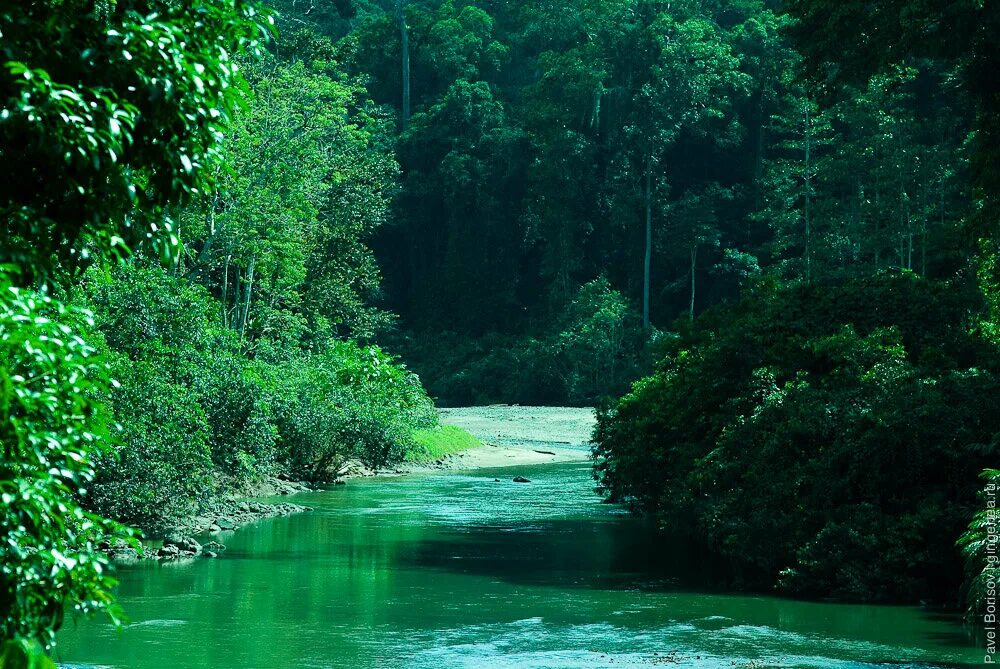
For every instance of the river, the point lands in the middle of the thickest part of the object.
(455, 569)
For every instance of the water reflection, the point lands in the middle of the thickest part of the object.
(460, 571)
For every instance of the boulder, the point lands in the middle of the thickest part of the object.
(169, 551)
(520, 479)
(226, 523)
(185, 545)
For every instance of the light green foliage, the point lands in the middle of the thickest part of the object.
(112, 121)
(433, 443)
(283, 242)
(102, 128)
(53, 427)
(24, 654)
(351, 403)
(979, 545)
(199, 418)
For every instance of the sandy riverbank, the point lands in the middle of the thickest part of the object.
(519, 436)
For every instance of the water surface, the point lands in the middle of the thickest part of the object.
(457, 570)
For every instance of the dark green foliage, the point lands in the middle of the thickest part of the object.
(599, 346)
(825, 438)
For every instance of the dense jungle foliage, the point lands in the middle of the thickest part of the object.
(217, 219)
(791, 206)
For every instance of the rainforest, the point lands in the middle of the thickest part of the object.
(495, 333)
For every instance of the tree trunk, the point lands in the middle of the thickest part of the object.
(225, 292)
(248, 292)
(404, 47)
(237, 311)
(808, 184)
(694, 261)
(647, 260)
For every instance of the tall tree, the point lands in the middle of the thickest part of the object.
(685, 89)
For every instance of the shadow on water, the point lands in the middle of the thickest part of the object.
(569, 553)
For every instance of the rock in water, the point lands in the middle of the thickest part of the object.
(521, 479)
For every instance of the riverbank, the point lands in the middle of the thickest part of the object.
(515, 436)
(510, 436)
(223, 515)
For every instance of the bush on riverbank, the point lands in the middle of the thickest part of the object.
(827, 440)
(351, 403)
(199, 417)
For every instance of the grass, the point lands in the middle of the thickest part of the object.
(439, 441)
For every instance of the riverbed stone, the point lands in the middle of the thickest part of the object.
(168, 551)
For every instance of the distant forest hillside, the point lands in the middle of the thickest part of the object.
(671, 151)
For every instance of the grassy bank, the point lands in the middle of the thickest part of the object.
(437, 442)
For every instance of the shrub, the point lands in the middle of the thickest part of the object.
(172, 329)
(351, 403)
(770, 431)
(161, 468)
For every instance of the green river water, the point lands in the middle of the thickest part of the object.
(455, 570)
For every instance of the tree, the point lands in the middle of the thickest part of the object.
(53, 428)
(803, 135)
(282, 242)
(769, 429)
(683, 90)
(104, 127)
(109, 124)
(960, 35)
(697, 224)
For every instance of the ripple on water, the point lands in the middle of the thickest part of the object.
(532, 643)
